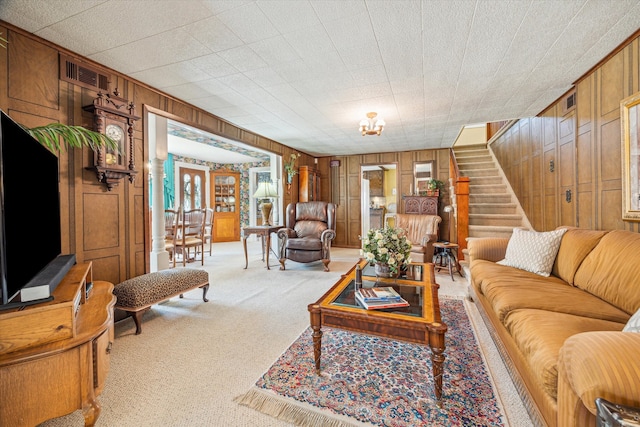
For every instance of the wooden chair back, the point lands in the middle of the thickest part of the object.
(208, 228)
(171, 220)
(191, 234)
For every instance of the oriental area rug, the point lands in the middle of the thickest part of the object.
(378, 381)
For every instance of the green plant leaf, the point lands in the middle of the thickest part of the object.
(72, 137)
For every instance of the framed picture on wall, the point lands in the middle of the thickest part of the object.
(630, 114)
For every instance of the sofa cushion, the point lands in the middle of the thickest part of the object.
(539, 335)
(507, 289)
(608, 273)
(575, 246)
(633, 325)
(533, 251)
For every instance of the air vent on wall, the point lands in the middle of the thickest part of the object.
(568, 103)
(73, 71)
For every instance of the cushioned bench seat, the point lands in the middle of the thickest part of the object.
(138, 294)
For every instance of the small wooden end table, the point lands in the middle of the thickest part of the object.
(262, 231)
(419, 323)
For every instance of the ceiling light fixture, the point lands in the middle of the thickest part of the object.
(367, 126)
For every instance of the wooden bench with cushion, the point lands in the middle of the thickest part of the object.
(138, 294)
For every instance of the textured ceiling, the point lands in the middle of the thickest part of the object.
(304, 73)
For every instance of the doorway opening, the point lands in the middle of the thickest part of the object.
(379, 195)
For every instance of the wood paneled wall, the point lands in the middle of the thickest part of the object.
(565, 165)
(348, 216)
(109, 228)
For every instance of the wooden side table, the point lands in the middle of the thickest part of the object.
(447, 257)
(262, 231)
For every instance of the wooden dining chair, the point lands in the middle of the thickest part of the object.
(208, 228)
(171, 220)
(190, 235)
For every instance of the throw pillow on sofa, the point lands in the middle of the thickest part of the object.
(533, 251)
(633, 325)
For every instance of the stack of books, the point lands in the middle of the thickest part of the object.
(377, 298)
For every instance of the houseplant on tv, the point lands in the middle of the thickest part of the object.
(387, 249)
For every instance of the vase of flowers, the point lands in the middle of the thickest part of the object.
(388, 250)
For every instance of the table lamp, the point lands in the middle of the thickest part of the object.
(264, 192)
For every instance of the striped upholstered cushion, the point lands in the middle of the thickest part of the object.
(601, 364)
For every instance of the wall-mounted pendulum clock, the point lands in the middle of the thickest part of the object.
(115, 117)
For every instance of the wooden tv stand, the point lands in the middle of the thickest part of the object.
(47, 373)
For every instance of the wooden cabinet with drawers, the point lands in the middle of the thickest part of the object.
(54, 375)
(421, 205)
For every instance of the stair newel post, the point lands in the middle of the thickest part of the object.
(461, 202)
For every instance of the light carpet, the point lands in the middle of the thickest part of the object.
(193, 358)
(380, 381)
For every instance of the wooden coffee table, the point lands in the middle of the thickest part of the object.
(419, 323)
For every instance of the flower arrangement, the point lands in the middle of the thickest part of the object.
(389, 246)
(290, 166)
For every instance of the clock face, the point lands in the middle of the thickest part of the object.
(115, 132)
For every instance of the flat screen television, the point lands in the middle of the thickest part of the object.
(30, 234)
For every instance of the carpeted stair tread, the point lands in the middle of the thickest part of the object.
(493, 209)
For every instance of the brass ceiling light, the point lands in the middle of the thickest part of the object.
(368, 127)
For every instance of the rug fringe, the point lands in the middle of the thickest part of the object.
(287, 410)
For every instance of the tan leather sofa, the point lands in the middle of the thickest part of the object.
(422, 231)
(561, 336)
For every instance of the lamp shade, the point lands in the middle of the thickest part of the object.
(265, 190)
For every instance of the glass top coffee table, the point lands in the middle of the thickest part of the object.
(420, 322)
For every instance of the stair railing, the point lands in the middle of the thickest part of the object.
(460, 201)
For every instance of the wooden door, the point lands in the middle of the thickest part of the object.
(225, 197)
(192, 188)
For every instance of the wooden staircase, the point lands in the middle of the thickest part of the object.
(493, 208)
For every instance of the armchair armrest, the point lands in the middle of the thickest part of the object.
(283, 236)
(286, 233)
(487, 248)
(327, 236)
(428, 238)
(601, 364)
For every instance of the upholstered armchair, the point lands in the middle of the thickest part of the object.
(422, 231)
(309, 229)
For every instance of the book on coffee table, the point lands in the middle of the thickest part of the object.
(384, 294)
(380, 304)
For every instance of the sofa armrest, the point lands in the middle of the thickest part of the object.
(601, 364)
(487, 248)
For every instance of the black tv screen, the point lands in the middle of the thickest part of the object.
(30, 235)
